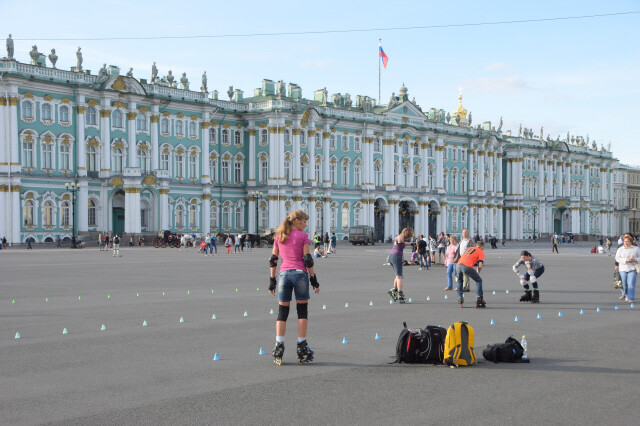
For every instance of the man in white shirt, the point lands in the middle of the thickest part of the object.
(465, 243)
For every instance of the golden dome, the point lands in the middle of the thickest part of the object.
(460, 111)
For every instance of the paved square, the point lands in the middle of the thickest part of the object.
(584, 368)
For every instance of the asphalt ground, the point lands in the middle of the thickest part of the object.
(584, 367)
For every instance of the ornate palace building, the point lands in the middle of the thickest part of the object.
(150, 155)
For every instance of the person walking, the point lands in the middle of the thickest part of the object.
(291, 243)
(395, 258)
(554, 244)
(237, 244)
(100, 241)
(628, 257)
(106, 242)
(212, 240)
(535, 269)
(608, 246)
(116, 245)
(183, 243)
(422, 253)
(472, 257)
(441, 247)
(228, 243)
(316, 240)
(334, 241)
(207, 239)
(449, 263)
(326, 242)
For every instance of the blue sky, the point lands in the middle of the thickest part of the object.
(578, 76)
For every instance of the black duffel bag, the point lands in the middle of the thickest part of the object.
(509, 351)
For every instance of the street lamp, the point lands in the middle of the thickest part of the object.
(257, 195)
(73, 188)
(535, 211)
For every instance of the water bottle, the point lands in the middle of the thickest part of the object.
(524, 346)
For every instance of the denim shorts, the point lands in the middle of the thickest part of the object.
(396, 262)
(293, 280)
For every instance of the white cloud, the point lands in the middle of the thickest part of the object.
(498, 66)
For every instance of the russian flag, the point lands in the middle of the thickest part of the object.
(383, 55)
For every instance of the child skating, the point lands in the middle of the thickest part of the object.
(535, 269)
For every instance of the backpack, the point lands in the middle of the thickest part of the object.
(458, 346)
(116, 240)
(509, 351)
(424, 346)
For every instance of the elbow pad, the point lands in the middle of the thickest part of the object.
(273, 261)
(308, 261)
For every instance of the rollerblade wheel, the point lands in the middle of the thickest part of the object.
(278, 361)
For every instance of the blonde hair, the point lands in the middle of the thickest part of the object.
(285, 227)
(407, 233)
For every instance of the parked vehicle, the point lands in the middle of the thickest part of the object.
(362, 235)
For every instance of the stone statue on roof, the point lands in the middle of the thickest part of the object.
(500, 125)
(520, 130)
(34, 54)
(594, 146)
(130, 72)
(325, 93)
(79, 59)
(184, 81)
(53, 58)
(154, 73)
(203, 88)
(170, 78)
(10, 47)
(280, 89)
(470, 120)
(230, 92)
(348, 102)
(448, 118)
(393, 100)
(541, 133)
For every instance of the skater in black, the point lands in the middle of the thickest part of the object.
(292, 244)
(535, 269)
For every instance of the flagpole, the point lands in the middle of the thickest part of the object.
(379, 71)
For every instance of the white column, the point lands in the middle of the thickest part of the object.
(4, 141)
(472, 221)
(204, 153)
(15, 218)
(444, 223)
(500, 222)
(326, 214)
(559, 179)
(133, 143)
(155, 151)
(164, 208)
(82, 158)
(251, 211)
(326, 179)
(427, 231)
(295, 161)
(273, 160)
(470, 166)
(82, 208)
(387, 167)
(490, 169)
(490, 224)
(205, 213)
(499, 163)
(439, 173)
(481, 228)
(549, 192)
(105, 149)
(252, 157)
(481, 155)
(540, 178)
(311, 224)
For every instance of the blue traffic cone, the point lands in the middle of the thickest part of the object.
(559, 314)
(598, 309)
(216, 357)
(344, 340)
(539, 316)
(581, 312)
(516, 320)
(616, 308)
(261, 352)
(377, 336)
(492, 322)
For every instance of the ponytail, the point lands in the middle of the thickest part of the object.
(284, 229)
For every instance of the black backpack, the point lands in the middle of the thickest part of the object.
(424, 346)
(509, 351)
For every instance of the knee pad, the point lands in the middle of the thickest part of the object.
(303, 310)
(283, 313)
(533, 279)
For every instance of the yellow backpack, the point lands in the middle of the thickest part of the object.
(458, 346)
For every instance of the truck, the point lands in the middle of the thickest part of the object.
(362, 235)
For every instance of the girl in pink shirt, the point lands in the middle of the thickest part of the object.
(292, 244)
(449, 263)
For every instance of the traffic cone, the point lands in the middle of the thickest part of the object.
(446, 296)
(213, 316)
(410, 300)
(371, 303)
(598, 309)
(261, 352)
(516, 320)
(616, 307)
(79, 297)
(216, 357)
(236, 290)
(494, 292)
(581, 312)
(324, 307)
(108, 296)
(271, 312)
(344, 340)
(137, 294)
(559, 314)
(181, 319)
(164, 294)
(428, 298)
(492, 322)
(103, 328)
(46, 300)
(539, 316)
(64, 331)
(245, 313)
(632, 305)
(14, 301)
(17, 335)
(346, 305)
(144, 323)
(212, 291)
(377, 336)
(188, 292)
(507, 291)
(391, 302)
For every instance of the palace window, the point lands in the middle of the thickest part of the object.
(164, 126)
(416, 178)
(345, 173)
(405, 148)
(345, 143)
(430, 178)
(395, 173)
(116, 118)
(334, 217)
(416, 148)
(179, 216)
(179, 172)
(65, 209)
(118, 160)
(193, 216)
(46, 112)
(213, 219)
(90, 116)
(317, 171)
(405, 176)
(287, 170)
(345, 216)
(239, 216)
(92, 159)
(264, 137)
(193, 130)
(143, 160)
(237, 140)
(65, 157)
(357, 175)
(318, 140)
(356, 144)
(47, 213)
(179, 125)
(303, 171)
(212, 134)
(377, 146)
(357, 213)
(454, 182)
(141, 123)
(333, 173)
(47, 156)
(226, 171)
(164, 161)
(27, 109)
(92, 213)
(226, 217)
(377, 174)
(27, 214)
(395, 147)
(287, 137)
(64, 114)
(264, 171)
(237, 171)
(213, 169)
(193, 166)
(332, 141)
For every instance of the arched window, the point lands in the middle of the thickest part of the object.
(287, 137)
(395, 173)
(46, 112)
(65, 209)
(47, 213)
(226, 217)
(430, 177)
(193, 165)
(287, 170)
(356, 144)
(27, 213)
(213, 169)
(237, 139)
(141, 122)
(319, 217)
(193, 130)
(405, 148)
(27, 109)
(345, 216)
(454, 218)
(213, 219)
(116, 118)
(357, 214)
(92, 216)
(47, 156)
(92, 158)
(64, 114)
(463, 219)
(345, 142)
(333, 173)
(90, 116)
(226, 171)
(212, 134)
(239, 216)
(179, 216)
(164, 126)
(179, 128)
(118, 160)
(334, 217)
(264, 137)
(377, 145)
(65, 157)
(193, 216)
(237, 171)
(264, 170)
(454, 182)
(332, 141)
(318, 140)
(377, 174)
(317, 170)
(179, 172)
(416, 178)
(405, 175)
(143, 160)
(345, 173)
(357, 175)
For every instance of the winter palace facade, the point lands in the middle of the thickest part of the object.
(154, 155)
